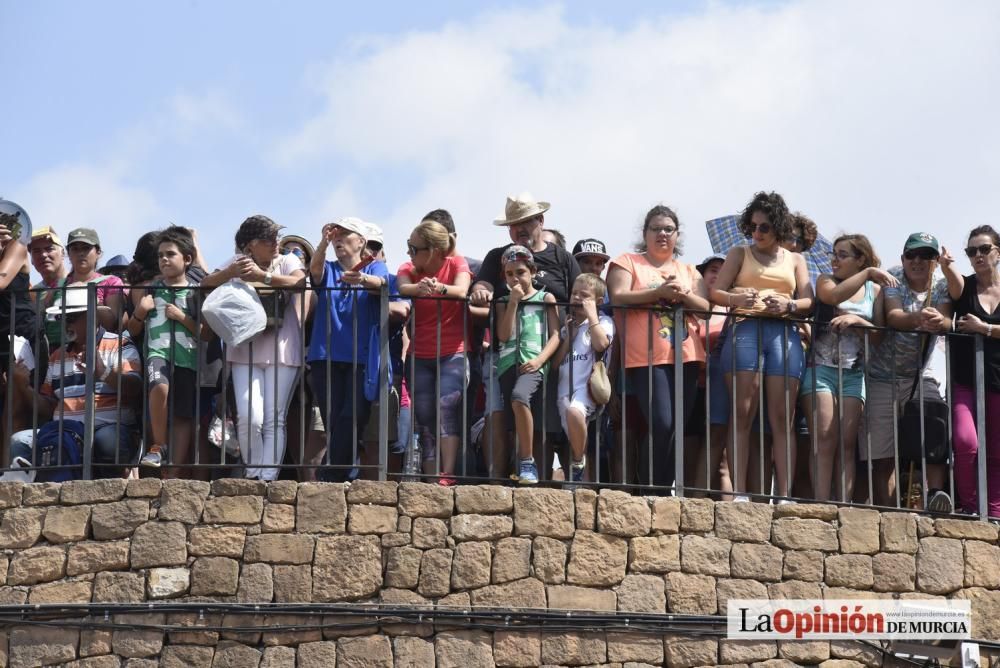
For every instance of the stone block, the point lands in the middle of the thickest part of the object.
(792, 533)
(11, 494)
(803, 565)
(256, 584)
(794, 589)
(31, 646)
(37, 564)
(544, 512)
(548, 559)
(621, 514)
(183, 500)
(278, 518)
(77, 492)
(464, 649)
(471, 565)
(21, 527)
(76, 591)
(517, 648)
(666, 514)
(804, 652)
(526, 593)
(761, 562)
(682, 651)
(859, 530)
(403, 567)
(730, 589)
(635, 647)
(233, 509)
(396, 539)
(412, 652)
(807, 511)
(985, 611)
(333, 582)
(292, 584)
(110, 521)
(569, 597)
(429, 533)
(691, 594)
(484, 499)
(94, 642)
(940, 565)
(93, 557)
(365, 652)
(321, 508)
(574, 648)
(747, 522)
(746, 651)
(159, 544)
(279, 548)
(64, 524)
(704, 555)
(137, 643)
(282, 491)
(188, 656)
(214, 576)
(367, 519)
(697, 515)
(238, 487)
(898, 532)
(970, 529)
(642, 593)
(435, 572)
(420, 499)
(596, 560)
(585, 501)
(144, 488)
(894, 571)
(982, 565)
(229, 654)
(654, 554)
(850, 570)
(217, 541)
(168, 582)
(119, 588)
(278, 657)
(512, 560)
(481, 527)
(382, 493)
(40, 494)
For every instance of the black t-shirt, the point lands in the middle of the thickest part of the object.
(557, 269)
(963, 348)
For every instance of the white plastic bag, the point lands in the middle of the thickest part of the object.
(234, 312)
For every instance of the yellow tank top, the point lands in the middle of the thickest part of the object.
(778, 279)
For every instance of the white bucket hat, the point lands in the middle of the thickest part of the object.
(519, 208)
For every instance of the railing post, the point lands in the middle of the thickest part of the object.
(91, 356)
(384, 380)
(982, 491)
(679, 332)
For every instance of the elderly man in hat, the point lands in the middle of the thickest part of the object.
(63, 394)
(524, 218)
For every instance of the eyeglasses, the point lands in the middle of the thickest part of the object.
(842, 255)
(973, 251)
(763, 228)
(412, 250)
(665, 229)
(921, 254)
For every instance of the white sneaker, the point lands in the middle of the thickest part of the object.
(741, 498)
(785, 502)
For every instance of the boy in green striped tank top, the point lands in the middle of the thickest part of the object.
(167, 312)
(528, 334)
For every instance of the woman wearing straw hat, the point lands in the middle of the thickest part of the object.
(524, 218)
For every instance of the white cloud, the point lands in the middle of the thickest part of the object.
(871, 117)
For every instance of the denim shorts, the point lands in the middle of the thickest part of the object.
(826, 381)
(763, 342)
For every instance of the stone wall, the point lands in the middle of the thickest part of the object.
(438, 549)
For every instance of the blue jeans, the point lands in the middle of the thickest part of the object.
(110, 442)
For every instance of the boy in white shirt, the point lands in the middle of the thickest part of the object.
(585, 337)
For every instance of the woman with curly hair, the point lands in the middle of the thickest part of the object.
(770, 283)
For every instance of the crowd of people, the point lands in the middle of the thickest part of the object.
(539, 362)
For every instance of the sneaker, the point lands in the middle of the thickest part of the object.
(447, 481)
(577, 472)
(154, 456)
(528, 474)
(785, 502)
(940, 502)
(741, 498)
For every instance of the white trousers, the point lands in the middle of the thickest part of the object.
(262, 397)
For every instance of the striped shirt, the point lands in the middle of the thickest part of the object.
(68, 383)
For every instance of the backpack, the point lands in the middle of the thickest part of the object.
(50, 450)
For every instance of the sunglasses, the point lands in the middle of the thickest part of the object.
(973, 251)
(763, 228)
(514, 257)
(922, 254)
(412, 250)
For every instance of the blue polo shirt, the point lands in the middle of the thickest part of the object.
(333, 320)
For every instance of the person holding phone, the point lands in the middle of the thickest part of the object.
(336, 360)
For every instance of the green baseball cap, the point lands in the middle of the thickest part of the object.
(922, 240)
(83, 235)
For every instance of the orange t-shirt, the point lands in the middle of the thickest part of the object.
(633, 322)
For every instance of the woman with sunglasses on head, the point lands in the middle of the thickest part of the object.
(977, 311)
(437, 279)
(764, 280)
(834, 383)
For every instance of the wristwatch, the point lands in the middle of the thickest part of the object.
(267, 278)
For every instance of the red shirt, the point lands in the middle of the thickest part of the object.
(425, 312)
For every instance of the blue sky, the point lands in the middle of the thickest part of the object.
(878, 118)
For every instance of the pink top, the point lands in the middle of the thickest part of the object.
(452, 312)
(290, 334)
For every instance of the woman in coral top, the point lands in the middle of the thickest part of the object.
(650, 284)
(771, 283)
